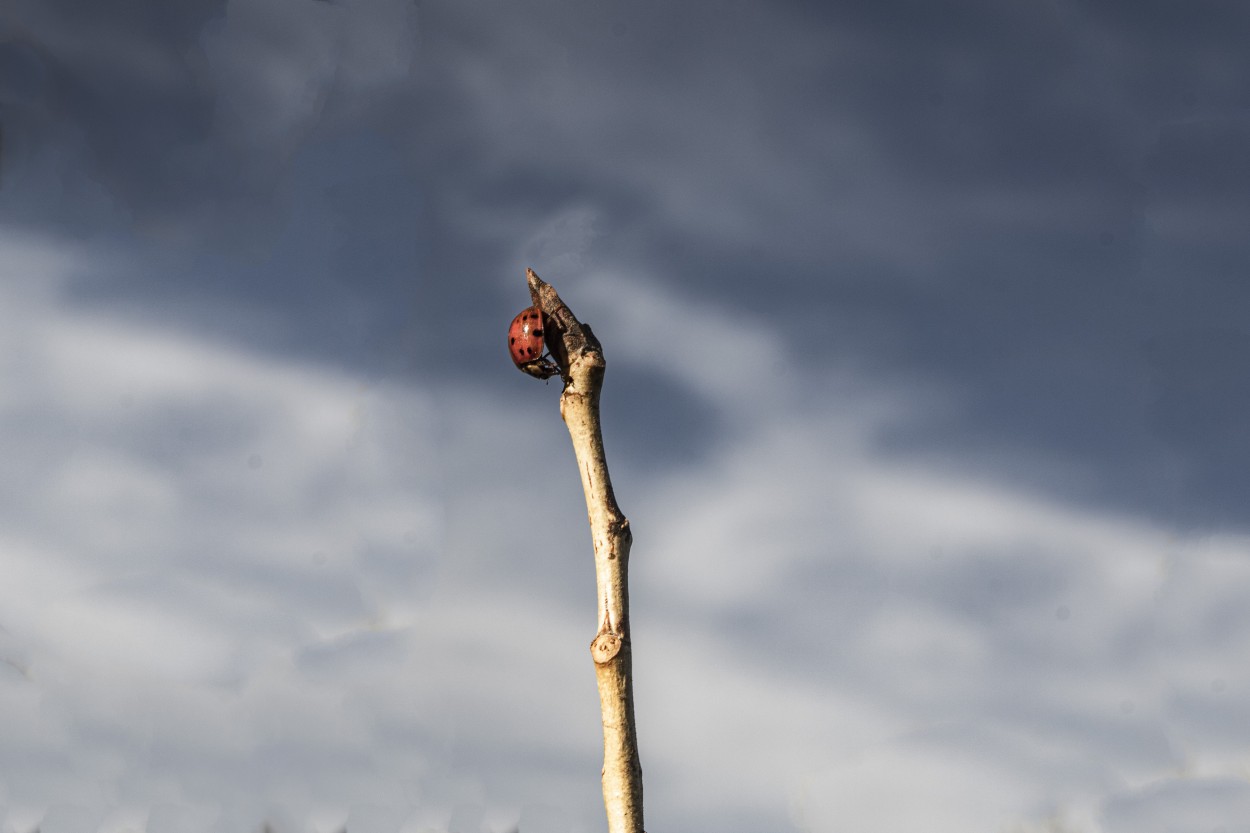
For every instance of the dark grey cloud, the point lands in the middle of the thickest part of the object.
(1028, 221)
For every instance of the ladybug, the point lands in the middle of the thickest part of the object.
(526, 343)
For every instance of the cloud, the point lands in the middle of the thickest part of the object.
(294, 594)
(921, 333)
(182, 556)
(1181, 805)
(937, 641)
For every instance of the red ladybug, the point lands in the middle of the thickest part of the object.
(525, 343)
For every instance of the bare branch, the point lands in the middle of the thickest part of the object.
(580, 358)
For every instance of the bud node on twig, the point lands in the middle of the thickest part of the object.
(605, 647)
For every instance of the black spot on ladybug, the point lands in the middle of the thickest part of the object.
(538, 332)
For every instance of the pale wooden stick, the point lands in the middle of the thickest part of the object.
(580, 357)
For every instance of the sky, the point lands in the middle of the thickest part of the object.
(927, 344)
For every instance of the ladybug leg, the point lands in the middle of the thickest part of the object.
(541, 368)
(549, 365)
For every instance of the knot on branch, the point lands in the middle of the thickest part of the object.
(605, 647)
(620, 530)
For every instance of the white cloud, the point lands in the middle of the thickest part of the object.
(1072, 649)
(912, 787)
(239, 587)
(732, 360)
(562, 243)
(190, 519)
(1181, 806)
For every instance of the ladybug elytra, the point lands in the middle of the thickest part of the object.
(526, 344)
